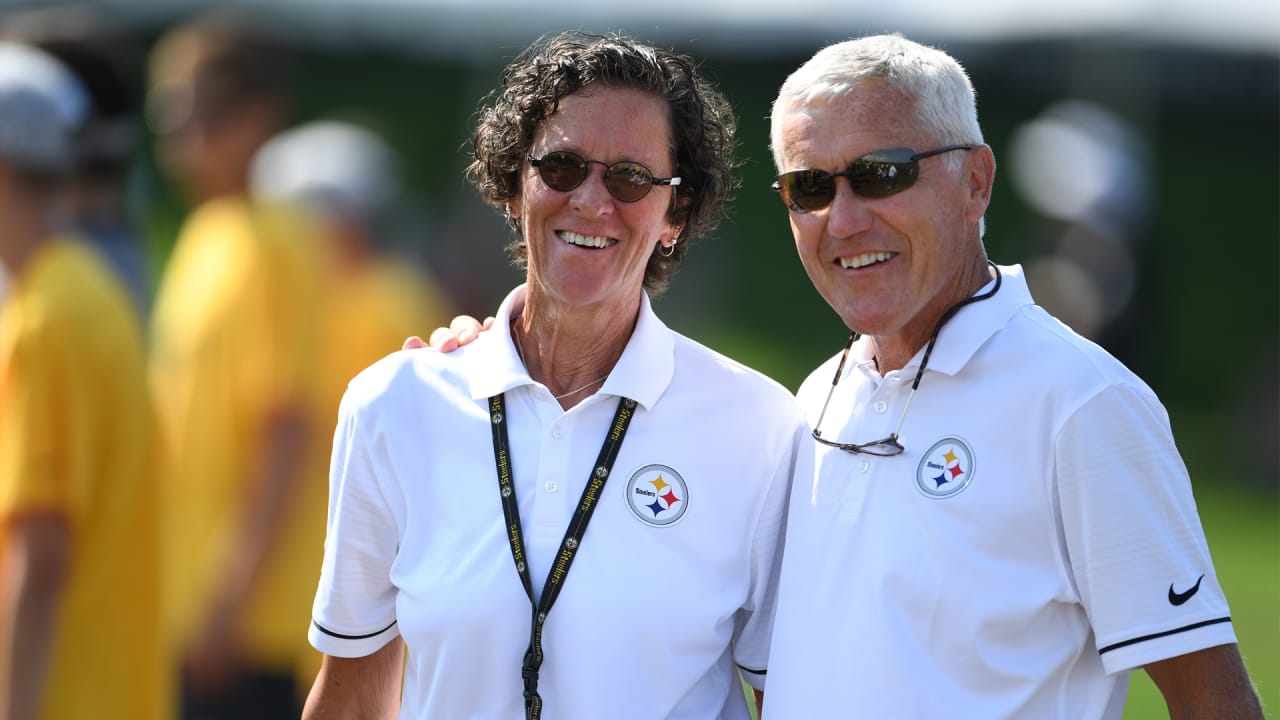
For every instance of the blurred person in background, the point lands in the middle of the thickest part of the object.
(1024, 534)
(349, 177)
(79, 586)
(236, 321)
(108, 63)
(608, 157)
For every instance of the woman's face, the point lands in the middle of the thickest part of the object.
(586, 247)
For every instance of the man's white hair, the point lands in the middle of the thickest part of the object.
(944, 104)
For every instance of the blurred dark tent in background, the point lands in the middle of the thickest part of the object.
(1138, 146)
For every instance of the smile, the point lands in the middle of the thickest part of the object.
(574, 238)
(865, 259)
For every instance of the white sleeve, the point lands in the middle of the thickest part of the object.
(751, 643)
(1135, 546)
(354, 612)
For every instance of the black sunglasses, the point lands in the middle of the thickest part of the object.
(626, 180)
(875, 175)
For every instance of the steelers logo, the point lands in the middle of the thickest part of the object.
(657, 495)
(946, 469)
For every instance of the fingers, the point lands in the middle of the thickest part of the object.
(462, 331)
(465, 328)
(443, 340)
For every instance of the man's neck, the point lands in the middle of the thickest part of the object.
(893, 352)
(22, 230)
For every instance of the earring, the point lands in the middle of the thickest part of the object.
(668, 250)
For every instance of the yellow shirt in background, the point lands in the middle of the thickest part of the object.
(234, 336)
(77, 438)
(373, 307)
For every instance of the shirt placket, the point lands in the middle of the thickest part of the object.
(873, 415)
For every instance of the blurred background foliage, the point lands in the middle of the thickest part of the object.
(1138, 181)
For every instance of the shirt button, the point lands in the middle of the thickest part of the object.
(865, 466)
(881, 406)
(555, 431)
(551, 486)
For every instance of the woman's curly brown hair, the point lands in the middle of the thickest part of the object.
(554, 67)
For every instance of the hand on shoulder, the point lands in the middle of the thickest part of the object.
(462, 331)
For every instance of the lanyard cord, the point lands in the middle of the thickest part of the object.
(572, 534)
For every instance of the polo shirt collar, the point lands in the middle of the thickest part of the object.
(975, 324)
(648, 362)
(964, 333)
(642, 373)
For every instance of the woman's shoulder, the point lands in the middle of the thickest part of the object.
(410, 376)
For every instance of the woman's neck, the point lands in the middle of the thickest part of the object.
(571, 350)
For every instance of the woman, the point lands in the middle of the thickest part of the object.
(624, 561)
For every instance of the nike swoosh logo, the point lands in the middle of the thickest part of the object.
(1177, 598)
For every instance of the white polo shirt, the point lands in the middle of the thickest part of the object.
(1037, 539)
(672, 586)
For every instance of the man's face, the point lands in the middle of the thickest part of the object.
(888, 266)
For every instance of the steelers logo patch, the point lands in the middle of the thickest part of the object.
(657, 495)
(946, 469)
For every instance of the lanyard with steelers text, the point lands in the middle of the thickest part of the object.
(572, 535)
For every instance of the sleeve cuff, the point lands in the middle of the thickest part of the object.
(1137, 652)
(353, 645)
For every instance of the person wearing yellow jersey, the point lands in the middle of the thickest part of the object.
(79, 630)
(348, 177)
(234, 330)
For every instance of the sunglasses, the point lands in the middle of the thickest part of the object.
(626, 180)
(875, 175)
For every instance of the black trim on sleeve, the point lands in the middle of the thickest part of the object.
(1166, 633)
(753, 672)
(340, 636)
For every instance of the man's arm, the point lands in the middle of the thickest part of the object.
(274, 483)
(366, 688)
(37, 558)
(1209, 683)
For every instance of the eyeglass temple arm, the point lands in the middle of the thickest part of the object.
(928, 350)
(853, 337)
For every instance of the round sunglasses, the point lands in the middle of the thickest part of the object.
(874, 175)
(626, 180)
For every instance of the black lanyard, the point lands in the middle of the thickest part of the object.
(572, 535)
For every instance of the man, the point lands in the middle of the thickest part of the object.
(106, 61)
(79, 628)
(999, 524)
(234, 326)
(347, 177)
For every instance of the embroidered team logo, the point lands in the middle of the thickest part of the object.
(946, 469)
(657, 495)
